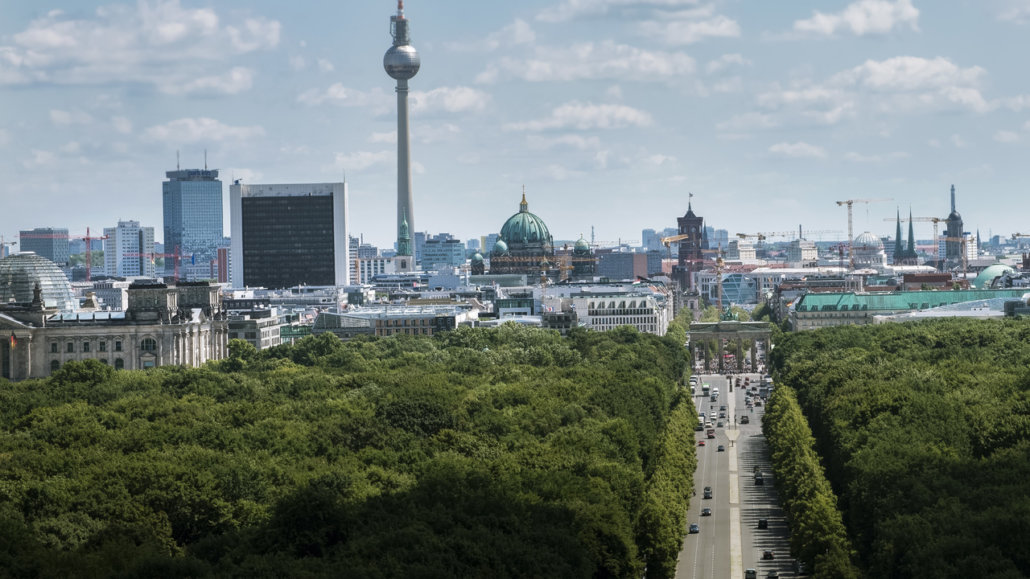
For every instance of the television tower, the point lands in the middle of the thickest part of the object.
(402, 63)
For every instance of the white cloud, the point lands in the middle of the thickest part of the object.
(298, 63)
(338, 94)
(603, 60)
(122, 125)
(798, 150)
(430, 134)
(1017, 11)
(957, 141)
(458, 99)
(39, 159)
(860, 158)
(681, 32)
(726, 61)
(519, 32)
(578, 9)
(747, 122)
(1006, 137)
(235, 81)
(192, 130)
(570, 141)
(65, 118)
(863, 17)
(325, 65)
(361, 160)
(586, 116)
(909, 73)
(122, 43)
(387, 137)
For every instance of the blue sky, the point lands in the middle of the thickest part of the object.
(608, 111)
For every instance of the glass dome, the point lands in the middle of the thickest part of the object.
(19, 274)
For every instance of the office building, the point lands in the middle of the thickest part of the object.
(48, 242)
(129, 250)
(289, 235)
(192, 221)
(442, 250)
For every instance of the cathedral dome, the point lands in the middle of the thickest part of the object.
(500, 248)
(19, 274)
(525, 229)
(867, 241)
(477, 258)
(582, 247)
(988, 275)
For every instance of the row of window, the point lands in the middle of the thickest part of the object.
(407, 331)
(119, 364)
(146, 345)
(403, 322)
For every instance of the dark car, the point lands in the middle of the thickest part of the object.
(763, 524)
(745, 420)
(694, 528)
(750, 574)
(759, 481)
(708, 492)
(768, 555)
(773, 574)
(706, 512)
(721, 448)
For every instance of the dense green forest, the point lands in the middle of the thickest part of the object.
(511, 452)
(925, 433)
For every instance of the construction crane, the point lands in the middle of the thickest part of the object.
(4, 244)
(851, 231)
(89, 239)
(177, 256)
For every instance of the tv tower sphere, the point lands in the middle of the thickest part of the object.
(401, 60)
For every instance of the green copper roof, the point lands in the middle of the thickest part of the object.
(525, 228)
(897, 301)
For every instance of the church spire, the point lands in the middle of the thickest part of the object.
(523, 206)
(911, 251)
(898, 242)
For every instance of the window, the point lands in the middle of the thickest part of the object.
(53, 347)
(85, 346)
(70, 347)
(103, 346)
(118, 362)
(117, 346)
(148, 345)
(54, 366)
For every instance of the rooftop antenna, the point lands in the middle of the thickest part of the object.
(205, 159)
(177, 159)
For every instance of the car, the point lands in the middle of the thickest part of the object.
(744, 420)
(719, 424)
(759, 481)
(750, 574)
(700, 427)
(722, 415)
(706, 512)
(773, 574)
(763, 523)
(758, 402)
(708, 492)
(722, 408)
(721, 448)
(694, 528)
(799, 568)
(768, 554)
(700, 443)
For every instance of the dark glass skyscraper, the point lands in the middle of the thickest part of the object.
(289, 234)
(48, 242)
(192, 220)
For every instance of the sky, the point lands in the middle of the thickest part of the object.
(609, 113)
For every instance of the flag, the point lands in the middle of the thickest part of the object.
(14, 341)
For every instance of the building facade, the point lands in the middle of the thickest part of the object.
(192, 204)
(442, 253)
(179, 325)
(524, 246)
(288, 235)
(129, 250)
(48, 242)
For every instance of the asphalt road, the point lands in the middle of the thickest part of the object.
(730, 541)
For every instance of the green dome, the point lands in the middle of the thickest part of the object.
(581, 247)
(525, 228)
(477, 257)
(983, 281)
(500, 248)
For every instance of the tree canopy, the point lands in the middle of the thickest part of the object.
(501, 453)
(925, 433)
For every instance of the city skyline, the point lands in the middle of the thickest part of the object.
(609, 111)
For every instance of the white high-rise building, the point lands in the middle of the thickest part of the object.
(129, 250)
